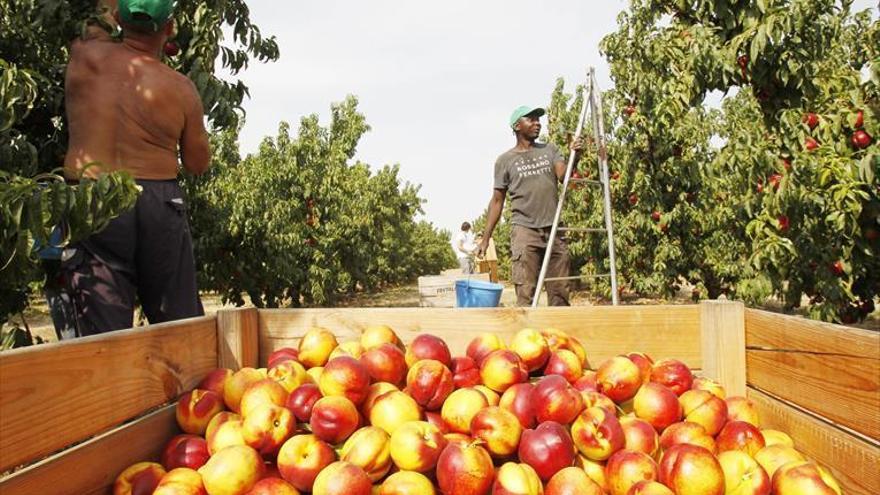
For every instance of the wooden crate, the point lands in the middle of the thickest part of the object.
(75, 414)
(438, 291)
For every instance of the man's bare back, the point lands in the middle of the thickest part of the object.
(129, 111)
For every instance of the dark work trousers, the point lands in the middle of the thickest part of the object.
(527, 247)
(144, 255)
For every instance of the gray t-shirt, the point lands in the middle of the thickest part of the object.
(530, 179)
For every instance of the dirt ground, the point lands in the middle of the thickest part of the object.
(40, 322)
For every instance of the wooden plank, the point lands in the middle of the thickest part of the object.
(853, 461)
(91, 467)
(237, 338)
(54, 395)
(828, 369)
(660, 331)
(722, 326)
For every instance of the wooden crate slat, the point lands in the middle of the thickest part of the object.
(831, 370)
(54, 395)
(237, 338)
(605, 331)
(91, 467)
(854, 462)
(723, 344)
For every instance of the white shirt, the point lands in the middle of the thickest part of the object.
(463, 244)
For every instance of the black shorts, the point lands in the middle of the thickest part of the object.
(145, 255)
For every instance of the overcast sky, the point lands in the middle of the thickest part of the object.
(437, 81)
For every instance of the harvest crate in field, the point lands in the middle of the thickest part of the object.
(74, 414)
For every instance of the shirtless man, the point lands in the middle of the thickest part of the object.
(128, 111)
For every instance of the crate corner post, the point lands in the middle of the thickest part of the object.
(237, 338)
(723, 342)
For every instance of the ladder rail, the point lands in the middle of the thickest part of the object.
(571, 156)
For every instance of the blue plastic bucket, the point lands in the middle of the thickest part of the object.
(477, 294)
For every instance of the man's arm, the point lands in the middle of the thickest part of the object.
(195, 150)
(560, 163)
(496, 206)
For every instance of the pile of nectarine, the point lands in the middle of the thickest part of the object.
(373, 416)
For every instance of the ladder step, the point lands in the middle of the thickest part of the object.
(576, 277)
(587, 181)
(581, 229)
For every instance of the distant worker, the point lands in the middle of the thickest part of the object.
(128, 111)
(530, 172)
(488, 262)
(464, 247)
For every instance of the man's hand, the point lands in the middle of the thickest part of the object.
(577, 145)
(482, 248)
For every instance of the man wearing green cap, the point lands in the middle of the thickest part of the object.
(530, 172)
(128, 111)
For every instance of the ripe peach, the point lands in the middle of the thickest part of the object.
(626, 468)
(465, 372)
(597, 434)
(686, 432)
(804, 478)
(492, 397)
(465, 469)
(645, 364)
(280, 355)
(594, 469)
(315, 374)
(458, 438)
(406, 483)
(385, 363)
(273, 486)
(369, 448)
(547, 448)
(237, 384)
(742, 409)
(482, 345)
(460, 407)
(596, 399)
(658, 405)
(739, 435)
(776, 437)
(393, 409)
(351, 348)
(427, 346)
(498, 429)
(587, 382)
(691, 470)
(195, 410)
(139, 478)
(531, 347)
(334, 419)
(501, 369)
(705, 409)
(316, 346)
(619, 378)
(290, 374)
(673, 374)
(215, 381)
(429, 382)
(416, 446)
(564, 363)
(301, 458)
(708, 385)
(266, 391)
(345, 376)
(232, 471)
(376, 335)
(557, 339)
(649, 488)
(267, 427)
(772, 457)
(301, 401)
(436, 419)
(189, 451)
(227, 434)
(742, 474)
(554, 399)
(518, 400)
(375, 391)
(640, 436)
(517, 479)
(342, 478)
(180, 481)
(218, 420)
(572, 481)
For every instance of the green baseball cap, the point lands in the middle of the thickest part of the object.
(522, 111)
(150, 14)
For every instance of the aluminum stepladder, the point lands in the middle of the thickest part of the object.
(593, 99)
